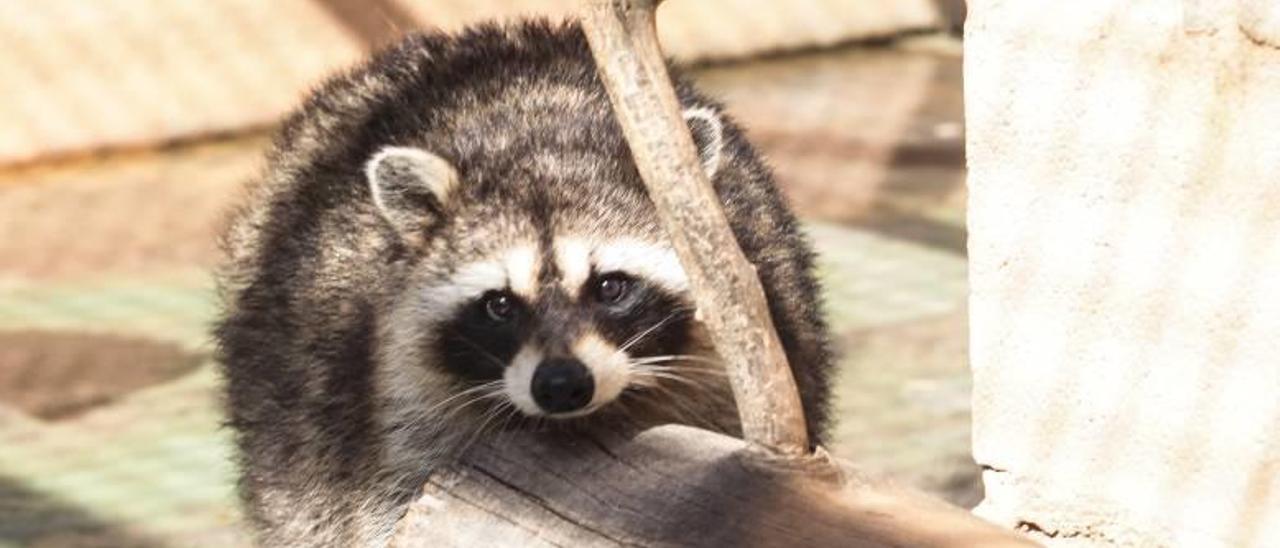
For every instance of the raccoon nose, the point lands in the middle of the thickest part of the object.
(561, 385)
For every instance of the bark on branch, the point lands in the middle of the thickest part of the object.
(731, 302)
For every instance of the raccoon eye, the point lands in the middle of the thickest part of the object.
(612, 288)
(500, 305)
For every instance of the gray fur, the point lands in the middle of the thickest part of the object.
(331, 333)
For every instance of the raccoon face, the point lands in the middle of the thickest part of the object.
(565, 337)
(555, 319)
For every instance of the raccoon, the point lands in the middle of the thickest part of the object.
(451, 240)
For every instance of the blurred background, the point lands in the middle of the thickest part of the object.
(127, 127)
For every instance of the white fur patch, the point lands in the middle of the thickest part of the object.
(517, 380)
(515, 269)
(608, 367)
(573, 256)
(710, 151)
(645, 260)
(467, 283)
(522, 271)
(431, 171)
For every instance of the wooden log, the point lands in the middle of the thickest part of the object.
(673, 486)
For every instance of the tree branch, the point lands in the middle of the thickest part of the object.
(727, 291)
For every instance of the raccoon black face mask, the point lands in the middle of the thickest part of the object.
(451, 240)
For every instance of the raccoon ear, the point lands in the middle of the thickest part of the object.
(409, 186)
(708, 135)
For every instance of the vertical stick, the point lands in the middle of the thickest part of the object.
(730, 301)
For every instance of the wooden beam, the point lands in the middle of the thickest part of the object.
(673, 486)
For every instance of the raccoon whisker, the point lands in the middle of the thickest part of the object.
(512, 415)
(677, 357)
(700, 372)
(682, 413)
(478, 348)
(681, 379)
(448, 415)
(656, 364)
(659, 373)
(692, 371)
(642, 381)
(503, 431)
(482, 387)
(486, 391)
(650, 404)
(685, 371)
(448, 409)
(490, 415)
(497, 411)
(639, 337)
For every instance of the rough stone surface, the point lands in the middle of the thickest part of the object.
(1260, 20)
(1125, 271)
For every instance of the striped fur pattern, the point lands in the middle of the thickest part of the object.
(362, 337)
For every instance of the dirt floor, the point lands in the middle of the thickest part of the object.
(109, 428)
(54, 376)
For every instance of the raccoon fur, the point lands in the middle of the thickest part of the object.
(450, 240)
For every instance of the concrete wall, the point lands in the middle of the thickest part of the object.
(1124, 221)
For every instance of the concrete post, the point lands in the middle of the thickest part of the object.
(1124, 219)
